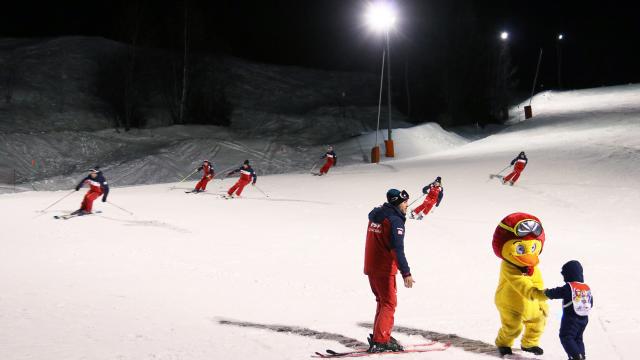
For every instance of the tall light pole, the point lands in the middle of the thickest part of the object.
(381, 16)
(501, 101)
(559, 51)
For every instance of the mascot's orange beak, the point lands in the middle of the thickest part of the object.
(522, 252)
(527, 260)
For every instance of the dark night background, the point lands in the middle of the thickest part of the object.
(440, 46)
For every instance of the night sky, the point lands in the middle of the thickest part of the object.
(600, 45)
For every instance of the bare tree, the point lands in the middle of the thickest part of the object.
(8, 76)
(185, 64)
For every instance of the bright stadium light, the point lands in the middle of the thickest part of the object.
(381, 16)
(560, 37)
(504, 35)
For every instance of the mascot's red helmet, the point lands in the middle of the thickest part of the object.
(517, 226)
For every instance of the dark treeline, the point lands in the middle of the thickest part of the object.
(450, 68)
(448, 64)
(170, 57)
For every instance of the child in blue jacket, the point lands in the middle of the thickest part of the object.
(576, 303)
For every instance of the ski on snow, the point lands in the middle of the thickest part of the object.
(72, 215)
(408, 349)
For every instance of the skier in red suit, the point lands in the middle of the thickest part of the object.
(518, 164)
(207, 174)
(332, 160)
(384, 255)
(97, 186)
(246, 174)
(435, 193)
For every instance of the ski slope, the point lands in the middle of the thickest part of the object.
(198, 277)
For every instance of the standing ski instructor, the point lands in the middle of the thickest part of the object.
(384, 255)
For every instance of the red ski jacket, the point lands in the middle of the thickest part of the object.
(207, 170)
(384, 250)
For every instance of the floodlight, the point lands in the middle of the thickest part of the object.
(381, 16)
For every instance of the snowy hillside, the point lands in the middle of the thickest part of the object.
(52, 84)
(280, 277)
(275, 110)
(170, 153)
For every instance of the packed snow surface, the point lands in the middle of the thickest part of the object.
(178, 278)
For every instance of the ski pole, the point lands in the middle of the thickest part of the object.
(314, 166)
(264, 193)
(500, 172)
(121, 208)
(186, 177)
(62, 198)
(224, 172)
(418, 198)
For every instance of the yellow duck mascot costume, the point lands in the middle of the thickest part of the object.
(518, 240)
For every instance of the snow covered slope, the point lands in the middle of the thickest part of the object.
(56, 160)
(55, 122)
(198, 277)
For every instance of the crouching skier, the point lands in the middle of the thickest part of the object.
(519, 163)
(332, 160)
(207, 174)
(435, 193)
(246, 174)
(97, 186)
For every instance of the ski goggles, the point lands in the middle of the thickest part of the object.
(524, 227)
(404, 195)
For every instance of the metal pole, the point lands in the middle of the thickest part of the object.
(185, 178)
(121, 208)
(380, 96)
(263, 193)
(57, 201)
(535, 79)
(388, 84)
(559, 64)
(418, 198)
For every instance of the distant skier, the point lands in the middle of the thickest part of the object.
(518, 164)
(576, 303)
(246, 174)
(384, 254)
(332, 160)
(435, 193)
(207, 174)
(97, 186)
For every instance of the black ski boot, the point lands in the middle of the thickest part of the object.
(505, 350)
(392, 346)
(537, 350)
(385, 347)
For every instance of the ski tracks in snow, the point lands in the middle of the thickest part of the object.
(455, 341)
(152, 223)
